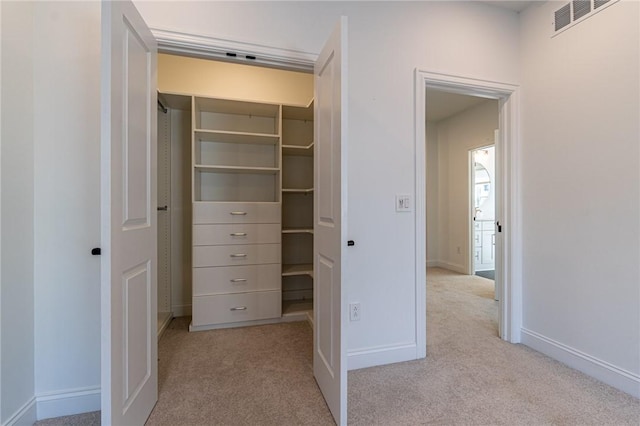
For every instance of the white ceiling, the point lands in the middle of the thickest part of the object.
(517, 6)
(441, 105)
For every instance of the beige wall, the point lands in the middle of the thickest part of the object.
(179, 74)
(581, 189)
(17, 190)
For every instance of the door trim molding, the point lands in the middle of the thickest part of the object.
(509, 213)
(217, 48)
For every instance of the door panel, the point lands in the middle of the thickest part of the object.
(329, 361)
(129, 232)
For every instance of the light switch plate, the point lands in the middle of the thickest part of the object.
(404, 203)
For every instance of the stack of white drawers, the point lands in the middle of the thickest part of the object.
(236, 262)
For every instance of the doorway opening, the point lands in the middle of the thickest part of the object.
(460, 132)
(482, 195)
(507, 239)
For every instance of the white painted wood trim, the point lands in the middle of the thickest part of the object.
(420, 159)
(509, 140)
(302, 316)
(1, 381)
(455, 267)
(508, 96)
(608, 373)
(68, 402)
(446, 265)
(26, 415)
(370, 357)
(217, 48)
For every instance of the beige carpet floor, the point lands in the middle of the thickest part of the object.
(245, 376)
(471, 377)
(263, 376)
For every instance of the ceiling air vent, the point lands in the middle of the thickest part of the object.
(563, 17)
(581, 8)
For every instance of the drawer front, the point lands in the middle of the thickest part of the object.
(236, 255)
(477, 226)
(210, 235)
(236, 279)
(226, 308)
(204, 213)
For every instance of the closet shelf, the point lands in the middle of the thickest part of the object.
(291, 112)
(298, 150)
(297, 230)
(298, 190)
(299, 269)
(235, 169)
(293, 307)
(235, 107)
(220, 136)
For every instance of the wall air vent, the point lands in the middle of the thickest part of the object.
(581, 8)
(563, 17)
(577, 11)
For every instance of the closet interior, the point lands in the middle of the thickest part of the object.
(235, 193)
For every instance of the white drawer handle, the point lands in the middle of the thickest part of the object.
(238, 213)
(239, 280)
(239, 255)
(238, 234)
(239, 308)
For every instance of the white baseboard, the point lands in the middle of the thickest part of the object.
(68, 402)
(461, 269)
(25, 416)
(370, 357)
(619, 378)
(181, 310)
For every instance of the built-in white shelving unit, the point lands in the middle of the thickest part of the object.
(236, 212)
(252, 230)
(297, 210)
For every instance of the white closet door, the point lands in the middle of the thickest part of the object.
(129, 233)
(329, 348)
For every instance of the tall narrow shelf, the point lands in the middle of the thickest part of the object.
(297, 210)
(236, 163)
(236, 150)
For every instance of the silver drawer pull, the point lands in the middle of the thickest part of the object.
(239, 308)
(238, 213)
(238, 234)
(239, 255)
(239, 280)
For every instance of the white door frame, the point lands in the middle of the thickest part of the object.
(509, 213)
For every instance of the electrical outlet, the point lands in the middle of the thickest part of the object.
(354, 311)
